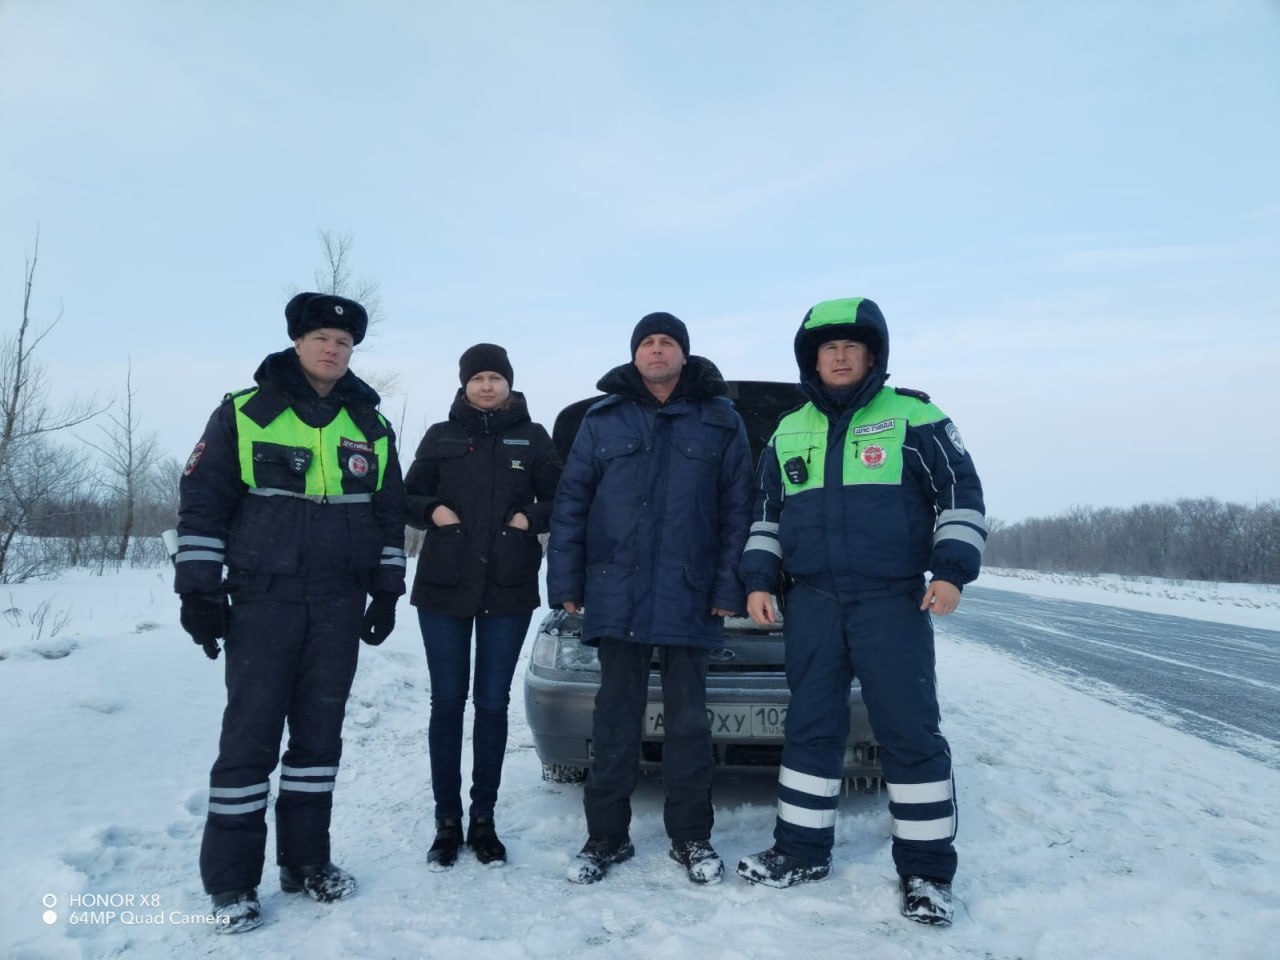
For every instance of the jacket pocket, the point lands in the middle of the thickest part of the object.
(515, 558)
(699, 580)
(611, 448)
(700, 448)
(280, 467)
(443, 551)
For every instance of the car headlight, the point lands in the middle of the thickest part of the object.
(559, 647)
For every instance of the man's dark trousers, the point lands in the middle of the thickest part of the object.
(688, 763)
(287, 661)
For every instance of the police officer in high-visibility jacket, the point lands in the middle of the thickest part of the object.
(859, 493)
(295, 489)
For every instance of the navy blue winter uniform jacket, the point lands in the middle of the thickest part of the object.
(288, 547)
(652, 511)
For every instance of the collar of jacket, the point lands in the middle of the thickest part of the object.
(699, 380)
(479, 421)
(866, 389)
(282, 384)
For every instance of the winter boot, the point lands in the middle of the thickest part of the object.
(237, 911)
(444, 848)
(322, 882)
(774, 868)
(926, 900)
(597, 856)
(700, 861)
(483, 841)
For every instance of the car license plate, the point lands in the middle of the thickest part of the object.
(734, 721)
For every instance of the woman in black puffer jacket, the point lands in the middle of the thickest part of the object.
(481, 486)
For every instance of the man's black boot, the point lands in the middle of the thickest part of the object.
(926, 900)
(322, 882)
(597, 856)
(236, 911)
(773, 868)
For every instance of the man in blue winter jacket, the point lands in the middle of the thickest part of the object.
(649, 522)
(859, 493)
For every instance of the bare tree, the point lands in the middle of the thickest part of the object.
(43, 487)
(337, 276)
(26, 417)
(1201, 539)
(130, 458)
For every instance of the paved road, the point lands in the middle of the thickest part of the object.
(1217, 681)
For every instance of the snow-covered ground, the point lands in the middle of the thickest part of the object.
(1086, 831)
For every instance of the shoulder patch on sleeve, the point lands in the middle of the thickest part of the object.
(954, 436)
(192, 460)
(908, 392)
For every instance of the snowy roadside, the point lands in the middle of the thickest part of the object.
(1242, 604)
(1085, 830)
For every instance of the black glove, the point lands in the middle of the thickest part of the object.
(204, 616)
(379, 619)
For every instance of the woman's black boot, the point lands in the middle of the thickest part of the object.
(444, 849)
(483, 840)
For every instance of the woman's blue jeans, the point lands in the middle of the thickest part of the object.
(448, 643)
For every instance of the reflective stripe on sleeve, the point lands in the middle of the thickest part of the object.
(193, 541)
(973, 517)
(767, 544)
(186, 555)
(958, 531)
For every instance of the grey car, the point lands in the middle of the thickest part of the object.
(747, 693)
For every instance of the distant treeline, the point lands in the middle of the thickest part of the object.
(1202, 539)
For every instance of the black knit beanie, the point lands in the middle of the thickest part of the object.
(667, 323)
(481, 357)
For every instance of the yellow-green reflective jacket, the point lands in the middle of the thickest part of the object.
(288, 508)
(286, 457)
(881, 495)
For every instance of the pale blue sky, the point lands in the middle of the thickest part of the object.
(1069, 213)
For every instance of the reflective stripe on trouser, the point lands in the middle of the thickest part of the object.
(688, 764)
(286, 663)
(887, 642)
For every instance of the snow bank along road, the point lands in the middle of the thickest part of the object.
(1216, 681)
